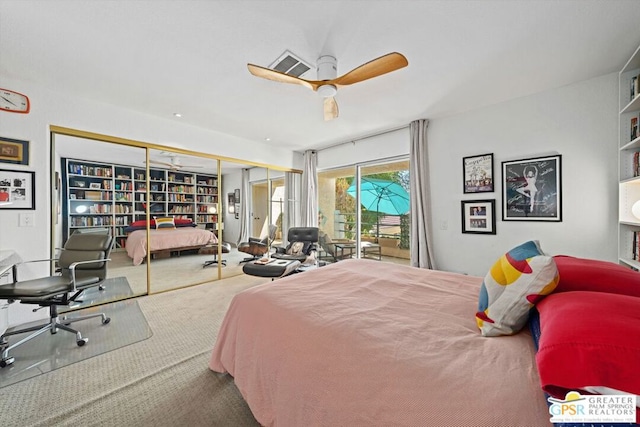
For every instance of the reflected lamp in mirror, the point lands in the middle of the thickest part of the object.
(635, 209)
(231, 201)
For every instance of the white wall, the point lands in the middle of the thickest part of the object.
(578, 121)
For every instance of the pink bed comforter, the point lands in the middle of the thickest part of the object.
(365, 343)
(168, 238)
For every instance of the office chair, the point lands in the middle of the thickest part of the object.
(258, 247)
(83, 264)
(302, 243)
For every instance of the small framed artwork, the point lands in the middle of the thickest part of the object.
(532, 189)
(477, 173)
(479, 216)
(72, 196)
(17, 190)
(79, 183)
(95, 185)
(14, 151)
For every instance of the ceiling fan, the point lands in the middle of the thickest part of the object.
(328, 83)
(173, 164)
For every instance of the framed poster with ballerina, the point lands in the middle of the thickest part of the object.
(532, 189)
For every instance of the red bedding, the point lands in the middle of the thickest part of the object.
(362, 342)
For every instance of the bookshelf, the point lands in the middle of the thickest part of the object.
(105, 195)
(628, 162)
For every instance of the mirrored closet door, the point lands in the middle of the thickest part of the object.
(183, 199)
(94, 184)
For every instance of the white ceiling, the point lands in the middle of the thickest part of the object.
(161, 57)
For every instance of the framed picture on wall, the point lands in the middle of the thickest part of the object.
(17, 190)
(477, 173)
(14, 151)
(479, 216)
(532, 189)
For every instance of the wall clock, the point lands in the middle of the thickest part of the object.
(14, 102)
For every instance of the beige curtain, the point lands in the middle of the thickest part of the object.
(245, 220)
(291, 212)
(309, 207)
(421, 236)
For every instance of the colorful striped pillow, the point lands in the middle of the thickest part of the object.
(518, 280)
(166, 222)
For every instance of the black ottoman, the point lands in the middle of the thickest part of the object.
(226, 248)
(274, 269)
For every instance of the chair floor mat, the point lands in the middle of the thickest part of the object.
(48, 352)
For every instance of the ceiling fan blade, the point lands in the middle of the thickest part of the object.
(277, 76)
(377, 67)
(156, 162)
(330, 108)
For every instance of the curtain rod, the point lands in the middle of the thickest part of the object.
(353, 141)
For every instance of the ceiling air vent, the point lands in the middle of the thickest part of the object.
(291, 64)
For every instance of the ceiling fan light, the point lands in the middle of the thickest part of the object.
(327, 91)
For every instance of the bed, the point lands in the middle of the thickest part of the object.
(362, 342)
(166, 240)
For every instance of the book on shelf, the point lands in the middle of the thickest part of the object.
(635, 127)
(634, 87)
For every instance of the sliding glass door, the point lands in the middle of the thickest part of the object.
(378, 226)
(384, 211)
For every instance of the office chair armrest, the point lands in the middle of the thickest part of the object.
(72, 268)
(14, 267)
(5, 269)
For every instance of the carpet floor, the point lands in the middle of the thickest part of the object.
(161, 381)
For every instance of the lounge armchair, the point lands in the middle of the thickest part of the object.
(258, 247)
(302, 244)
(329, 252)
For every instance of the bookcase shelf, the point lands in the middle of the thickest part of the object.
(628, 162)
(100, 195)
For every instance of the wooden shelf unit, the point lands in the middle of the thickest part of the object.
(104, 195)
(628, 170)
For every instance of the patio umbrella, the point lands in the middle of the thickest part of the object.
(382, 196)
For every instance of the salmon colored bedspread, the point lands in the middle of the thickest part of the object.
(366, 343)
(166, 238)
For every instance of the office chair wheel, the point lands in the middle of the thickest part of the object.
(106, 320)
(82, 342)
(6, 362)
